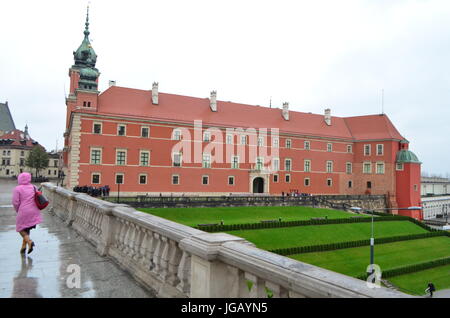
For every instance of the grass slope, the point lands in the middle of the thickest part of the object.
(416, 283)
(270, 239)
(236, 215)
(354, 261)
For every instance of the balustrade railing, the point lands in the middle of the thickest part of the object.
(180, 261)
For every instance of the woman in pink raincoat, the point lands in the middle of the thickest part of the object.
(28, 214)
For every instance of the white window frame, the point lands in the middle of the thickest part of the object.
(124, 131)
(329, 182)
(347, 170)
(260, 141)
(176, 134)
(206, 136)
(173, 159)
(90, 155)
(99, 177)
(382, 150)
(93, 127)
(126, 157)
(331, 166)
(140, 158)
(179, 179)
(276, 164)
(307, 168)
(207, 179)
(143, 175)
(307, 145)
(309, 182)
(207, 162)
(275, 142)
(229, 139)
(286, 176)
(382, 165)
(259, 164)
(399, 166)
(234, 180)
(369, 147)
(244, 139)
(232, 162)
(148, 131)
(278, 178)
(329, 147)
(364, 167)
(286, 165)
(119, 174)
(288, 143)
(349, 149)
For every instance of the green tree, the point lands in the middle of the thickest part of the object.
(37, 159)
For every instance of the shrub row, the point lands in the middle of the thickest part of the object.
(350, 244)
(411, 268)
(269, 225)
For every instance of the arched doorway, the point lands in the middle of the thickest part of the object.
(258, 185)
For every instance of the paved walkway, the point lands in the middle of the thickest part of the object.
(44, 273)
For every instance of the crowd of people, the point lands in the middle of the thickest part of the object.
(102, 191)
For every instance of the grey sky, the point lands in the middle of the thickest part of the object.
(313, 54)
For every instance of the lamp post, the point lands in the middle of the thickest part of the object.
(118, 192)
(371, 269)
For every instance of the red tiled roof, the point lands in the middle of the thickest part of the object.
(138, 103)
(17, 136)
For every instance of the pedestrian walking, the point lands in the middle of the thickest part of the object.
(430, 289)
(28, 214)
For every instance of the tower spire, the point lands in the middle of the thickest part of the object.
(86, 29)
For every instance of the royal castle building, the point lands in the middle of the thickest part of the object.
(150, 142)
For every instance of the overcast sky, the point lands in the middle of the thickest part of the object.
(314, 54)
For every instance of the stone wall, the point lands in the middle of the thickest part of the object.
(180, 261)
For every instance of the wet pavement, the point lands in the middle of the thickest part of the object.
(59, 255)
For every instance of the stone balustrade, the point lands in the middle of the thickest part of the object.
(180, 261)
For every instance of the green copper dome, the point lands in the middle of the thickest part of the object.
(406, 156)
(85, 54)
(89, 73)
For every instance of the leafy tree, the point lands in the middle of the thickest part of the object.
(37, 159)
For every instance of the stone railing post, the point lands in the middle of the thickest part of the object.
(210, 278)
(108, 227)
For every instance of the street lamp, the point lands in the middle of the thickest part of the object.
(371, 269)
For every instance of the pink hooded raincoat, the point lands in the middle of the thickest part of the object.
(28, 214)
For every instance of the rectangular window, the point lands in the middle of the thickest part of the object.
(380, 167)
(350, 184)
(275, 178)
(399, 167)
(206, 162)
(119, 178)
(235, 162)
(329, 147)
(230, 180)
(367, 167)
(121, 130)
(22, 162)
(366, 150)
(307, 182)
(145, 132)
(348, 168)
(121, 157)
(287, 164)
(22, 153)
(288, 143)
(369, 184)
(175, 179)
(176, 135)
(177, 159)
(276, 164)
(276, 142)
(96, 156)
(229, 139)
(329, 182)
(287, 178)
(349, 148)
(97, 128)
(307, 145)
(142, 179)
(144, 158)
(95, 178)
(307, 165)
(206, 136)
(260, 141)
(380, 149)
(329, 166)
(243, 140)
(205, 180)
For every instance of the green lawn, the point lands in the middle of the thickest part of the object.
(354, 261)
(416, 283)
(235, 215)
(270, 239)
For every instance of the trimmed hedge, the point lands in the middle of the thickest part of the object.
(350, 244)
(255, 226)
(411, 268)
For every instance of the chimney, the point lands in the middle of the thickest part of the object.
(213, 101)
(155, 93)
(112, 83)
(328, 116)
(285, 112)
